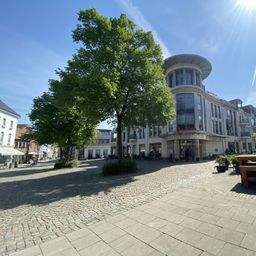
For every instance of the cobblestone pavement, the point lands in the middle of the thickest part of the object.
(39, 204)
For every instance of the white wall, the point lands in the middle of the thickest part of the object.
(7, 129)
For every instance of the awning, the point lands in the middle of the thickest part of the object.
(5, 151)
(33, 153)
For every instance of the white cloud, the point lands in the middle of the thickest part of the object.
(251, 99)
(141, 21)
(254, 77)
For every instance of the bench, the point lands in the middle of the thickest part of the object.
(246, 171)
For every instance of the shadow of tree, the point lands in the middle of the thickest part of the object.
(80, 182)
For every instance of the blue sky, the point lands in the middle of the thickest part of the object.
(36, 40)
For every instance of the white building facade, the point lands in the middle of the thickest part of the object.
(101, 146)
(8, 123)
(205, 124)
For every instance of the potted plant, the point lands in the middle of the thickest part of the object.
(235, 163)
(223, 162)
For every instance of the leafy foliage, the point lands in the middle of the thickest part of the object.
(119, 167)
(223, 160)
(66, 164)
(66, 126)
(116, 74)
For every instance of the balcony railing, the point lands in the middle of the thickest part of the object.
(245, 134)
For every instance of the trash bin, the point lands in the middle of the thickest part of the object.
(15, 164)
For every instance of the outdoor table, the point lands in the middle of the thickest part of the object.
(246, 165)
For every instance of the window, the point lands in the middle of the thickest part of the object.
(9, 138)
(189, 76)
(159, 130)
(219, 111)
(105, 152)
(4, 123)
(154, 131)
(205, 126)
(2, 138)
(212, 110)
(213, 126)
(179, 77)
(140, 133)
(143, 133)
(217, 127)
(198, 78)
(170, 126)
(124, 136)
(229, 125)
(97, 153)
(11, 125)
(170, 80)
(220, 127)
(150, 132)
(185, 111)
(215, 107)
(200, 112)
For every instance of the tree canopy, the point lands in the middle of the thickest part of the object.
(66, 126)
(117, 73)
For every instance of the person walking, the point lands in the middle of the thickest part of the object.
(170, 154)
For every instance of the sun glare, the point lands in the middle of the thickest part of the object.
(247, 4)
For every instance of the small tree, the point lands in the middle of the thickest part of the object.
(117, 73)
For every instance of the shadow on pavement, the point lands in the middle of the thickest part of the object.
(238, 188)
(82, 181)
(22, 172)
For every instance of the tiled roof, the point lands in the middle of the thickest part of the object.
(4, 107)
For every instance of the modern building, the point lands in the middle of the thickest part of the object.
(100, 147)
(28, 147)
(8, 124)
(205, 124)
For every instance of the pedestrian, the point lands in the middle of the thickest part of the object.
(170, 154)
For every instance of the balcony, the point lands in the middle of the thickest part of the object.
(132, 137)
(245, 134)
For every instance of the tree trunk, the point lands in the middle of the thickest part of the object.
(61, 153)
(119, 138)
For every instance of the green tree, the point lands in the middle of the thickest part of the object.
(66, 126)
(117, 74)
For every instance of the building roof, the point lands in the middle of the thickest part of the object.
(204, 65)
(4, 107)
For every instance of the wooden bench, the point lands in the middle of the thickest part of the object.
(244, 171)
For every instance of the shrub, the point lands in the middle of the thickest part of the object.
(223, 160)
(119, 167)
(66, 164)
(234, 160)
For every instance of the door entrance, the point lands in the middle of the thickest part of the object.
(187, 150)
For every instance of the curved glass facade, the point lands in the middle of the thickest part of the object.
(184, 76)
